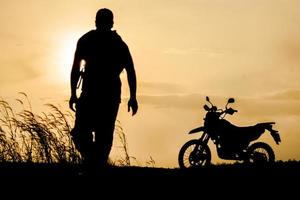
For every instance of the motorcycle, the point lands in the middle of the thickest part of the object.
(232, 142)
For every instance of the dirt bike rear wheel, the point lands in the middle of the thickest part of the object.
(190, 156)
(260, 153)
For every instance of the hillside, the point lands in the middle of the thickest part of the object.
(280, 170)
(126, 182)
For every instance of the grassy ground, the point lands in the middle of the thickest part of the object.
(225, 181)
(288, 169)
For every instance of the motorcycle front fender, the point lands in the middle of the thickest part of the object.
(196, 130)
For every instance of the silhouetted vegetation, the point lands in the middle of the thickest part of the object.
(44, 138)
(29, 137)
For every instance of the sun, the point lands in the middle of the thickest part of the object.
(64, 57)
(67, 49)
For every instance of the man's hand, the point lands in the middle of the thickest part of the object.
(72, 102)
(133, 105)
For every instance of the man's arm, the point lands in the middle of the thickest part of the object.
(75, 75)
(131, 77)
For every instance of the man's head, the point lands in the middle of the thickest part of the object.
(104, 19)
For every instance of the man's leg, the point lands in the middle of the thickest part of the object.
(81, 133)
(83, 142)
(105, 132)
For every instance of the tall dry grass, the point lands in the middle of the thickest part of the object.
(29, 137)
(123, 157)
(45, 138)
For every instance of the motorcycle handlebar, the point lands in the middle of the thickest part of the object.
(230, 111)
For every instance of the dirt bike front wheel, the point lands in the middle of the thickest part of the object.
(194, 154)
(261, 153)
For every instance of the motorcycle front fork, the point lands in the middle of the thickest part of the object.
(203, 140)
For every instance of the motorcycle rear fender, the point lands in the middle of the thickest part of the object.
(196, 130)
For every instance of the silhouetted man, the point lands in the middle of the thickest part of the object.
(105, 55)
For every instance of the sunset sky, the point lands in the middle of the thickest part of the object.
(183, 50)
